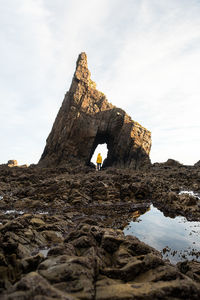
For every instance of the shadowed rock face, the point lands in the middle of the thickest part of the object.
(87, 119)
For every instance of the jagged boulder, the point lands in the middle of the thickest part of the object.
(87, 119)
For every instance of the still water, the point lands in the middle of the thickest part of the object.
(177, 239)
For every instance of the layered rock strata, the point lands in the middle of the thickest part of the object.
(87, 119)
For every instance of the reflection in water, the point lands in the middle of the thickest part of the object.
(177, 238)
(44, 251)
(19, 212)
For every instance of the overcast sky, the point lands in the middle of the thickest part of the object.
(144, 56)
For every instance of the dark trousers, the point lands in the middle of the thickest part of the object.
(98, 166)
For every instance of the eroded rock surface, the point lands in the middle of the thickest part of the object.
(90, 262)
(61, 233)
(87, 119)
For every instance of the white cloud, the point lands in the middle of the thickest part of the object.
(143, 55)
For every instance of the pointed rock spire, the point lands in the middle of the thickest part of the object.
(87, 119)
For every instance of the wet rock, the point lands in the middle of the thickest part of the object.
(135, 247)
(191, 269)
(31, 263)
(111, 240)
(70, 274)
(34, 286)
(37, 222)
(88, 256)
(52, 236)
(172, 196)
(189, 200)
(62, 249)
(158, 290)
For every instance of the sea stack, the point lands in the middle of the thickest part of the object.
(87, 119)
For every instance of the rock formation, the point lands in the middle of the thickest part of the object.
(61, 234)
(12, 163)
(87, 119)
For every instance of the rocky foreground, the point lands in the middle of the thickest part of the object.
(61, 233)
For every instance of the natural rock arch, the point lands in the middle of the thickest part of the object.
(87, 119)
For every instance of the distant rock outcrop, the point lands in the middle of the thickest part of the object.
(197, 164)
(87, 119)
(169, 163)
(12, 163)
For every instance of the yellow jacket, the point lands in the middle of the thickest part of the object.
(99, 159)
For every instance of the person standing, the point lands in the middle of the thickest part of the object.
(99, 161)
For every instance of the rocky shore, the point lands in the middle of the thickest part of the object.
(61, 232)
(62, 222)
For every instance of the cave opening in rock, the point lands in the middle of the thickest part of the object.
(101, 148)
